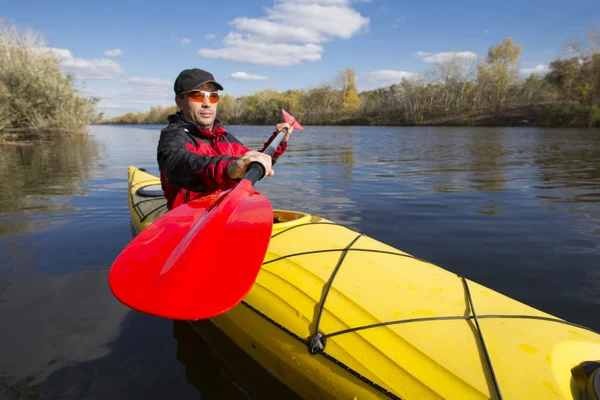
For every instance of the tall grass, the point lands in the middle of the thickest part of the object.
(35, 97)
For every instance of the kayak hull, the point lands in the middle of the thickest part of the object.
(394, 326)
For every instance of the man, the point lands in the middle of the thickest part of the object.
(196, 155)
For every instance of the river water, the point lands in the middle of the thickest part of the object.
(515, 209)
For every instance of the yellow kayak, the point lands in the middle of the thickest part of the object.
(336, 314)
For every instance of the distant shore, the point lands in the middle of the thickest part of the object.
(457, 91)
(540, 115)
(37, 101)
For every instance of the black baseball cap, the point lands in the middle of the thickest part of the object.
(191, 78)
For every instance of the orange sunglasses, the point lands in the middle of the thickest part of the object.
(197, 96)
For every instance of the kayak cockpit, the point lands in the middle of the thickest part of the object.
(284, 219)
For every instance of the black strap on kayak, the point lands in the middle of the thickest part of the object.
(307, 224)
(316, 343)
(485, 350)
(324, 354)
(451, 318)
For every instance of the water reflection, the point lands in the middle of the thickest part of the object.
(40, 178)
(487, 159)
(55, 322)
(569, 179)
(569, 162)
(514, 209)
(316, 174)
(218, 369)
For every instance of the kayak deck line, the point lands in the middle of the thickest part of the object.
(317, 345)
(301, 291)
(324, 354)
(142, 216)
(316, 342)
(451, 318)
(481, 339)
(401, 321)
(136, 206)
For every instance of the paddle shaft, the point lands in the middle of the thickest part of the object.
(256, 171)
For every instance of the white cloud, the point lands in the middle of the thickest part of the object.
(137, 94)
(147, 81)
(290, 33)
(324, 2)
(247, 50)
(333, 20)
(274, 32)
(382, 78)
(120, 103)
(210, 37)
(86, 69)
(184, 40)
(247, 77)
(61, 53)
(445, 56)
(540, 69)
(149, 84)
(113, 53)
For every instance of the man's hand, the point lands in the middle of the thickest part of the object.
(290, 129)
(237, 169)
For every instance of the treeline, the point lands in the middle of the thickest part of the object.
(35, 97)
(156, 115)
(457, 91)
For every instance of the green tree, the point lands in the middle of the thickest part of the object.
(227, 108)
(565, 75)
(590, 72)
(35, 95)
(498, 73)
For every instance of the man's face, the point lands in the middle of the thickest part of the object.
(203, 113)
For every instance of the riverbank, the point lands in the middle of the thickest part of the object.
(455, 92)
(537, 115)
(557, 115)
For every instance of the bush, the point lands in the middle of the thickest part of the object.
(594, 116)
(353, 121)
(35, 96)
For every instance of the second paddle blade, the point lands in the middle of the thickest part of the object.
(198, 260)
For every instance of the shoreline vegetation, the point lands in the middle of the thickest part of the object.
(37, 99)
(459, 91)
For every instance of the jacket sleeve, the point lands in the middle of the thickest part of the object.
(278, 151)
(191, 171)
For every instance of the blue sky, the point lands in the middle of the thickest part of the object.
(128, 53)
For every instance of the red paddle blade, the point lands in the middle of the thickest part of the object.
(291, 120)
(217, 244)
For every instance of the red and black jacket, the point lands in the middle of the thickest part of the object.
(193, 161)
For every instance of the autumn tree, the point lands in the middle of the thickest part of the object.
(230, 109)
(451, 84)
(565, 75)
(350, 98)
(498, 73)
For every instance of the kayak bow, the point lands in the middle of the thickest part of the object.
(336, 314)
